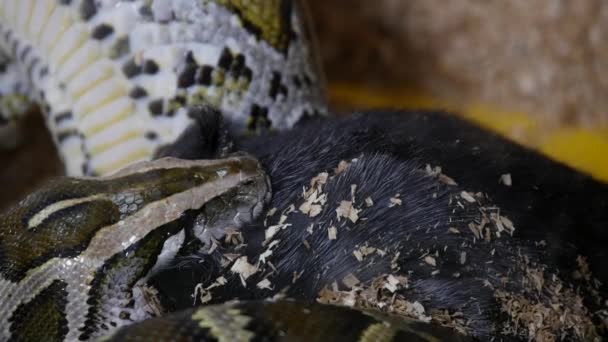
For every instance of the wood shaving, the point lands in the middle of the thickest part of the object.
(453, 230)
(583, 271)
(437, 172)
(369, 202)
(346, 210)
(203, 294)
(310, 228)
(320, 179)
(264, 256)
(454, 320)
(502, 223)
(286, 212)
(447, 180)
(366, 250)
(332, 233)
(383, 294)
(430, 260)
(507, 224)
(314, 201)
(264, 284)
(228, 258)
(334, 286)
(353, 191)
(392, 284)
(394, 264)
(233, 237)
(506, 179)
(467, 197)
(311, 210)
(268, 252)
(316, 187)
(350, 281)
(273, 230)
(414, 309)
(306, 244)
(537, 278)
(271, 212)
(274, 269)
(395, 200)
(296, 276)
(432, 171)
(214, 246)
(244, 269)
(545, 310)
(358, 255)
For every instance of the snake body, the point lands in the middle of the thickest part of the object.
(116, 78)
(75, 253)
(284, 321)
(120, 79)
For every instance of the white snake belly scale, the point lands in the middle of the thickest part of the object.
(116, 78)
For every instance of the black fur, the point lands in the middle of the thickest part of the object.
(547, 202)
(206, 138)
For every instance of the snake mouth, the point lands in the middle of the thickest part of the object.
(232, 210)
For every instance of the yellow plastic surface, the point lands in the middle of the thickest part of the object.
(583, 149)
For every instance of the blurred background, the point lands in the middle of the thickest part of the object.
(533, 71)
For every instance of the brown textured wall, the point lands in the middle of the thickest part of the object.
(547, 57)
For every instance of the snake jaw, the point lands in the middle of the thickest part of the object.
(118, 231)
(232, 210)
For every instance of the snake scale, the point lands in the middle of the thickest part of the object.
(116, 81)
(74, 252)
(116, 78)
(119, 81)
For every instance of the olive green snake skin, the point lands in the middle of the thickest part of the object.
(75, 254)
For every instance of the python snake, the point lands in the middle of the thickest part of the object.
(76, 256)
(75, 253)
(119, 80)
(116, 81)
(116, 78)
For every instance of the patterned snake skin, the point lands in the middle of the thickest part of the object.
(116, 78)
(284, 320)
(122, 83)
(75, 254)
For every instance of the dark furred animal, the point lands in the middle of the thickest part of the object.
(558, 216)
